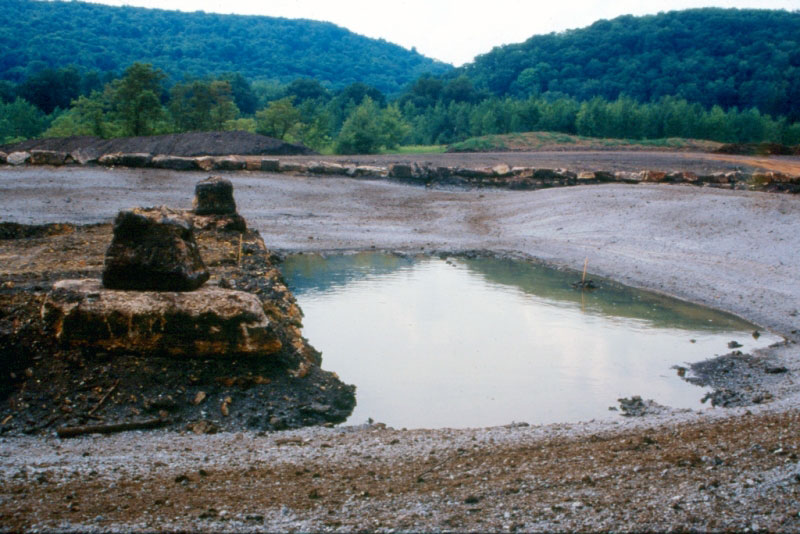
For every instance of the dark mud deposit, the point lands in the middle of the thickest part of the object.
(46, 386)
(185, 144)
(738, 379)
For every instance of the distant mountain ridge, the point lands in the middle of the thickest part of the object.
(36, 34)
(730, 57)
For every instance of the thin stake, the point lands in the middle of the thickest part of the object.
(585, 263)
(102, 400)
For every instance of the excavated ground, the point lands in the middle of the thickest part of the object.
(719, 469)
(49, 387)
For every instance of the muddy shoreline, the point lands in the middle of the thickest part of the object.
(712, 470)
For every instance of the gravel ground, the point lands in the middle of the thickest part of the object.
(716, 470)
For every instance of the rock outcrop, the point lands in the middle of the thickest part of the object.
(154, 249)
(49, 157)
(214, 196)
(209, 322)
(227, 356)
(18, 158)
(214, 206)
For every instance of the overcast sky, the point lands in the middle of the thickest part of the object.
(454, 31)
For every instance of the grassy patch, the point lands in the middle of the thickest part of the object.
(543, 141)
(416, 149)
(486, 143)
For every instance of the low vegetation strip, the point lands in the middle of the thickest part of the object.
(537, 141)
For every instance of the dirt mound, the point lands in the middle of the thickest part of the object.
(46, 385)
(184, 144)
(759, 149)
(562, 142)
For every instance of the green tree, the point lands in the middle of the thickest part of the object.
(279, 119)
(242, 92)
(361, 132)
(316, 125)
(592, 118)
(202, 105)
(50, 89)
(87, 116)
(8, 91)
(20, 120)
(137, 98)
(244, 124)
(394, 129)
(304, 89)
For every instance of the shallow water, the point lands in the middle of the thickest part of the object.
(458, 342)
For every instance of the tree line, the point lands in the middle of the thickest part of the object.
(357, 118)
(449, 112)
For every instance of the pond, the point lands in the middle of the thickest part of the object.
(459, 342)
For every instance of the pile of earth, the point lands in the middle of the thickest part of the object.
(46, 386)
(759, 149)
(184, 144)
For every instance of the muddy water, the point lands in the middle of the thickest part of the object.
(456, 342)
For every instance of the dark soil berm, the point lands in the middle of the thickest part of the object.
(184, 144)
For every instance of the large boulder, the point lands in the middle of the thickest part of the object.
(209, 322)
(401, 170)
(154, 249)
(174, 163)
(292, 166)
(270, 165)
(48, 157)
(18, 158)
(229, 163)
(126, 159)
(326, 167)
(214, 196)
(85, 155)
(214, 206)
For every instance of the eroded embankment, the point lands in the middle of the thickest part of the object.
(72, 376)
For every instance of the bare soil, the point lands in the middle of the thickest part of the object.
(735, 474)
(46, 387)
(185, 144)
(732, 469)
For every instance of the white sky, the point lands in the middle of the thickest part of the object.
(454, 31)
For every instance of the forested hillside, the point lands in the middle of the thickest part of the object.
(37, 34)
(727, 57)
(731, 76)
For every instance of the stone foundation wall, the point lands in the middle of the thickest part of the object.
(500, 176)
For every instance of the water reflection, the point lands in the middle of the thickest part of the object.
(476, 342)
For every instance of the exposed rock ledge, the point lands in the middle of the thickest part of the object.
(497, 176)
(208, 322)
(101, 371)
